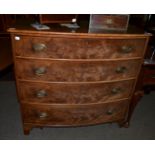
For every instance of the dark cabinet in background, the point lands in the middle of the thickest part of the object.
(5, 44)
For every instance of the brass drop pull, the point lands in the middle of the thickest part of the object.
(40, 71)
(116, 90)
(43, 115)
(38, 47)
(109, 112)
(121, 69)
(126, 49)
(41, 94)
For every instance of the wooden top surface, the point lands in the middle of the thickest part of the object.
(57, 29)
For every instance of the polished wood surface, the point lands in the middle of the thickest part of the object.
(77, 78)
(23, 27)
(74, 93)
(79, 48)
(74, 115)
(76, 71)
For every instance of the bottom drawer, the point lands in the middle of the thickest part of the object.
(74, 115)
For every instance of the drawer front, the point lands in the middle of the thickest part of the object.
(76, 71)
(109, 22)
(74, 114)
(78, 48)
(58, 93)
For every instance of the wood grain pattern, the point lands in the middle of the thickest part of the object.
(76, 71)
(79, 48)
(58, 93)
(75, 114)
(69, 78)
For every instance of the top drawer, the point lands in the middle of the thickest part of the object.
(78, 48)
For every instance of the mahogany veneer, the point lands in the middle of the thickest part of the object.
(67, 78)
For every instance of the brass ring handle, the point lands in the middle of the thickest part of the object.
(41, 94)
(126, 49)
(38, 47)
(40, 71)
(116, 90)
(43, 115)
(121, 69)
(109, 112)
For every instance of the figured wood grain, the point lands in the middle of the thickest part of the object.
(76, 71)
(58, 93)
(74, 115)
(77, 48)
(70, 99)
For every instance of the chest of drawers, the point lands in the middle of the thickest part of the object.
(75, 79)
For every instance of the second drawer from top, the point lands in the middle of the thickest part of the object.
(76, 71)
